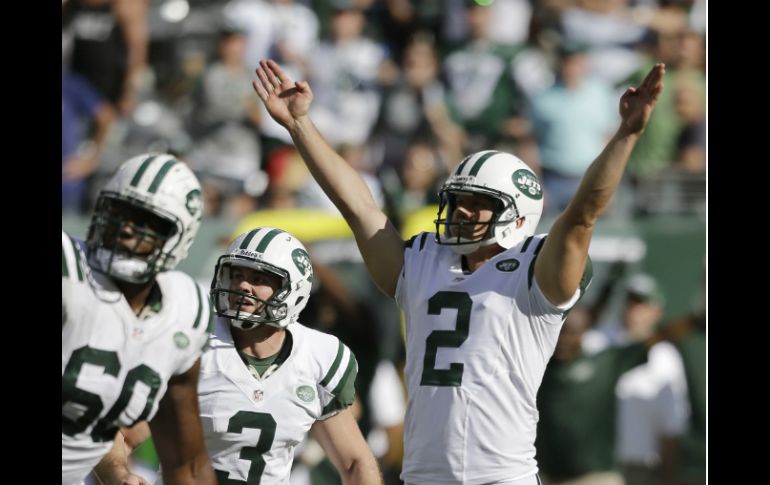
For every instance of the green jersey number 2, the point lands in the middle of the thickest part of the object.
(452, 377)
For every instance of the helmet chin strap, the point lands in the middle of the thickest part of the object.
(245, 324)
(252, 325)
(248, 324)
(122, 267)
(469, 248)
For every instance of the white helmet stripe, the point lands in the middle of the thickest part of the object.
(161, 175)
(261, 246)
(248, 238)
(462, 165)
(142, 169)
(477, 166)
(475, 161)
(156, 180)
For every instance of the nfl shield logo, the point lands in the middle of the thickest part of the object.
(258, 395)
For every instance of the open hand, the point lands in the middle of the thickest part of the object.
(286, 101)
(637, 103)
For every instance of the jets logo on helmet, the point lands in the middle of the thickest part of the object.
(156, 198)
(263, 250)
(505, 179)
(194, 202)
(301, 260)
(527, 183)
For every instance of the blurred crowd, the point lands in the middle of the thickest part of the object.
(404, 90)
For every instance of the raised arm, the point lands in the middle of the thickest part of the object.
(381, 245)
(562, 260)
(177, 433)
(132, 15)
(341, 439)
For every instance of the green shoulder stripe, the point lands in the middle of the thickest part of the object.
(540, 246)
(423, 237)
(588, 276)
(531, 272)
(71, 259)
(422, 240)
(410, 242)
(526, 244)
(349, 370)
(210, 327)
(345, 391)
(344, 364)
(64, 271)
(333, 369)
(585, 282)
(200, 305)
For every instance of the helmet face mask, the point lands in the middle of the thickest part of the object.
(229, 299)
(506, 180)
(145, 219)
(464, 234)
(116, 220)
(267, 250)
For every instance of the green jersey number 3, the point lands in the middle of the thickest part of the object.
(248, 419)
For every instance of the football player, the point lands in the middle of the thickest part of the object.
(265, 378)
(484, 298)
(132, 328)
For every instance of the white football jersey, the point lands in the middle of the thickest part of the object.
(252, 425)
(477, 347)
(115, 366)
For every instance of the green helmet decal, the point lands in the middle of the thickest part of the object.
(194, 202)
(527, 182)
(301, 260)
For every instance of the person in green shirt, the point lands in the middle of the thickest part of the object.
(577, 405)
(689, 336)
